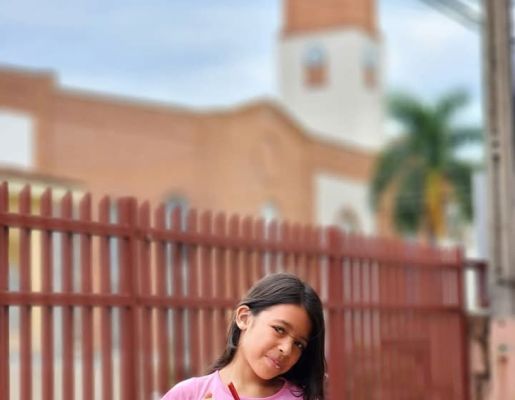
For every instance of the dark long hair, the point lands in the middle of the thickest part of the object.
(283, 288)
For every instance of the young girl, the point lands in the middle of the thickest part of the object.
(275, 347)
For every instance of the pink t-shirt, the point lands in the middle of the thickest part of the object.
(196, 389)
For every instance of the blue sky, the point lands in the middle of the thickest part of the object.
(204, 53)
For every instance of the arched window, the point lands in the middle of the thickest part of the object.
(315, 66)
(348, 220)
(369, 67)
(269, 211)
(173, 202)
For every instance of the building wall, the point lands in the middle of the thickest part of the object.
(308, 15)
(502, 353)
(236, 160)
(347, 106)
(345, 202)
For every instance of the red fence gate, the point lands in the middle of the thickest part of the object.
(124, 304)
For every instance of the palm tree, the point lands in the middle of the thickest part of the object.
(421, 168)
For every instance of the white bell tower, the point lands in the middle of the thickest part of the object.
(330, 70)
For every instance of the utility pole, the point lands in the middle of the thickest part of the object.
(500, 154)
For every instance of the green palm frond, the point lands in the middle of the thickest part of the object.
(407, 110)
(450, 103)
(427, 148)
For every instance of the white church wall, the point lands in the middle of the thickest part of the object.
(16, 138)
(345, 109)
(337, 195)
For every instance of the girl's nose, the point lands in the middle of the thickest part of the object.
(285, 347)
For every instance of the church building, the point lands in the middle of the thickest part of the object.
(306, 156)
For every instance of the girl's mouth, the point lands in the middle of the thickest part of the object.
(275, 363)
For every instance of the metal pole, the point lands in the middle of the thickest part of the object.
(500, 146)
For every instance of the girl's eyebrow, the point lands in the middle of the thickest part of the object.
(288, 325)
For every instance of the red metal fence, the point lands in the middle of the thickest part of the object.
(124, 304)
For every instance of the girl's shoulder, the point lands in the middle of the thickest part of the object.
(190, 389)
(289, 391)
(197, 387)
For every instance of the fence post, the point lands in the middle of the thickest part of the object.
(26, 370)
(145, 316)
(128, 280)
(464, 330)
(47, 313)
(4, 286)
(86, 288)
(336, 314)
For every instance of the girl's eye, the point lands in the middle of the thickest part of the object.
(279, 329)
(300, 346)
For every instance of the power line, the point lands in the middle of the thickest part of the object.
(466, 12)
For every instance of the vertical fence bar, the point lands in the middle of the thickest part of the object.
(234, 267)
(133, 310)
(261, 252)
(315, 243)
(463, 326)
(379, 273)
(394, 329)
(146, 313)
(161, 313)
(194, 294)
(311, 259)
(296, 255)
(87, 311)
(306, 254)
(220, 277)
(386, 349)
(350, 264)
(68, 374)
(376, 317)
(253, 252)
(246, 259)
(272, 238)
(106, 345)
(25, 311)
(406, 372)
(4, 287)
(47, 341)
(285, 238)
(366, 382)
(178, 292)
(129, 329)
(336, 302)
(206, 276)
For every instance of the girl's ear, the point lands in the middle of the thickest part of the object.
(243, 316)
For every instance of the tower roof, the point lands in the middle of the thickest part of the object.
(302, 16)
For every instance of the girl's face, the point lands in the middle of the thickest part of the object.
(272, 341)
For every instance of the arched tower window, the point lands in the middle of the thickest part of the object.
(315, 66)
(369, 67)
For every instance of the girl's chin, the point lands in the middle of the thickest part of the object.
(268, 371)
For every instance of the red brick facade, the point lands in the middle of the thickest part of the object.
(236, 160)
(303, 16)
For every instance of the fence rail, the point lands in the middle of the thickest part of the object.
(121, 301)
